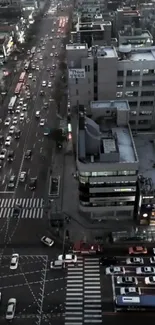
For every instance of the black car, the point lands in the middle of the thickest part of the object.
(1, 139)
(1, 164)
(42, 93)
(17, 134)
(16, 212)
(108, 261)
(33, 183)
(12, 182)
(28, 154)
(10, 156)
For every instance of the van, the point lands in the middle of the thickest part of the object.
(57, 264)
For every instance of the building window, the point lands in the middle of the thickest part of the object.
(129, 72)
(144, 122)
(120, 84)
(146, 83)
(132, 83)
(146, 103)
(145, 113)
(86, 68)
(77, 92)
(76, 80)
(133, 113)
(133, 104)
(131, 93)
(147, 93)
(119, 94)
(146, 71)
(120, 73)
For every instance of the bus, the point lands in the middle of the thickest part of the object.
(18, 88)
(11, 106)
(22, 77)
(27, 65)
(33, 50)
(135, 303)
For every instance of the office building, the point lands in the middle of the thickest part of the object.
(104, 73)
(107, 161)
(135, 36)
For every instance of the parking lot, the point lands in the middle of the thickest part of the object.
(36, 289)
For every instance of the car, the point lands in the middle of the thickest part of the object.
(28, 154)
(21, 100)
(42, 93)
(130, 290)
(126, 280)
(68, 258)
(10, 156)
(34, 78)
(49, 84)
(3, 153)
(81, 246)
(52, 30)
(37, 114)
(135, 260)
(17, 111)
(45, 104)
(152, 260)
(145, 270)
(7, 121)
(21, 117)
(37, 67)
(28, 96)
(11, 307)
(40, 58)
(56, 54)
(44, 83)
(150, 280)
(14, 261)
(48, 68)
(115, 270)
(51, 54)
(57, 264)
(51, 38)
(52, 75)
(33, 183)
(24, 107)
(35, 60)
(33, 66)
(53, 66)
(1, 164)
(108, 261)
(30, 76)
(53, 46)
(15, 120)
(17, 134)
(8, 141)
(47, 241)
(38, 51)
(58, 36)
(137, 250)
(12, 182)
(16, 212)
(1, 139)
(22, 177)
(43, 48)
(12, 130)
(42, 122)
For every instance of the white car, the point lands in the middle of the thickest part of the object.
(11, 309)
(68, 258)
(152, 260)
(51, 54)
(8, 141)
(37, 114)
(42, 122)
(44, 83)
(153, 249)
(49, 84)
(40, 58)
(17, 111)
(38, 50)
(127, 280)
(115, 270)
(145, 270)
(150, 280)
(3, 154)
(130, 290)
(7, 121)
(24, 107)
(14, 261)
(47, 241)
(21, 117)
(37, 67)
(21, 100)
(22, 177)
(12, 129)
(135, 260)
(30, 76)
(52, 30)
(53, 46)
(15, 120)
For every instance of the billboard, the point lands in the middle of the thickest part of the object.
(76, 73)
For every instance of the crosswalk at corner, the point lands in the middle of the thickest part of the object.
(83, 292)
(29, 208)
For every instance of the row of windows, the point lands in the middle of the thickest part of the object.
(141, 113)
(106, 204)
(136, 72)
(141, 122)
(135, 94)
(136, 83)
(142, 103)
(109, 173)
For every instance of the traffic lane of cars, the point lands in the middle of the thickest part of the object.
(27, 278)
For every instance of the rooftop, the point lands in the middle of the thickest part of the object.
(76, 46)
(103, 137)
(137, 32)
(145, 142)
(103, 51)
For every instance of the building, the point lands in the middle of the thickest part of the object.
(103, 73)
(107, 161)
(126, 16)
(92, 33)
(135, 36)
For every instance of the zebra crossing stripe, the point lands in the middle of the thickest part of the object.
(30, 208)
(24, 203)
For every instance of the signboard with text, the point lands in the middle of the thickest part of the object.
(76, 73)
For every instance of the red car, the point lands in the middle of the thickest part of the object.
(137, 250)
(85, 248)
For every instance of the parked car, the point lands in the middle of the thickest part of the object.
(145, 270)
(115, 270)
(11, 307)
(137, 250)
(14, 261)
(47, 241)
(135, 260)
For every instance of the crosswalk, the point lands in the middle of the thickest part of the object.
(29, 208)
(83, 293)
